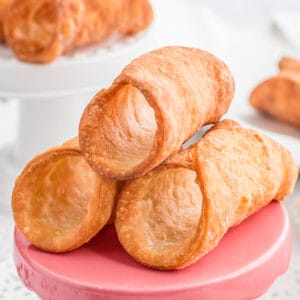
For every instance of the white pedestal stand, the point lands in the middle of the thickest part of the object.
(46, 123)
(52, 97)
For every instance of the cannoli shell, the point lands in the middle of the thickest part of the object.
(4, 5)
(279, 96)
(39, 31)
(180, 211)
(58, 202)
(186, 89)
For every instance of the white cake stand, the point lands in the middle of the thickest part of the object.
(51, 97)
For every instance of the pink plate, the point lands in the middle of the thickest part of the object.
(243, 266)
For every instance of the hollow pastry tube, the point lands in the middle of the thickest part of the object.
(58, 202)
(279, 96)
(180, 211)
(41, 30)
(158, 101)
(4, 5)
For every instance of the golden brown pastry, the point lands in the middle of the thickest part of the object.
(279, 96)
(289, 64)
(158, 101)
(59, 202)
(178, 212)
(41, 30)
(4, 5)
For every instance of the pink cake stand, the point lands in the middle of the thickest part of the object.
(243, 266)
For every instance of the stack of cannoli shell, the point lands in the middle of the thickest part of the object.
(39, 31)
(170, 206)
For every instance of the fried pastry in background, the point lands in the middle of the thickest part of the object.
(180, 211)
(138, 16)
(279, 96)
(289, 64)
(58, 202)
(4, 5)
(41, 30)
(158, 101)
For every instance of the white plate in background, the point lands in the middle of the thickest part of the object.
(285, 134)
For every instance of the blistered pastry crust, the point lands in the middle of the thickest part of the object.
(233, 172)
(58, 202)
(181, 88)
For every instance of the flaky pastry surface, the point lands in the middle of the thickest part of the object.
(58, 202)
(178, 212)
(157, 102)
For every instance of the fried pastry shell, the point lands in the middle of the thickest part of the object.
(138, 16)
(279, 96)
(158, 101)
(58, 202)
(289, 64)
(180, 211)
(39, 31)
(4, 5)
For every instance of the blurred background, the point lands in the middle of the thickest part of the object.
(37, 112)
(250, 36)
